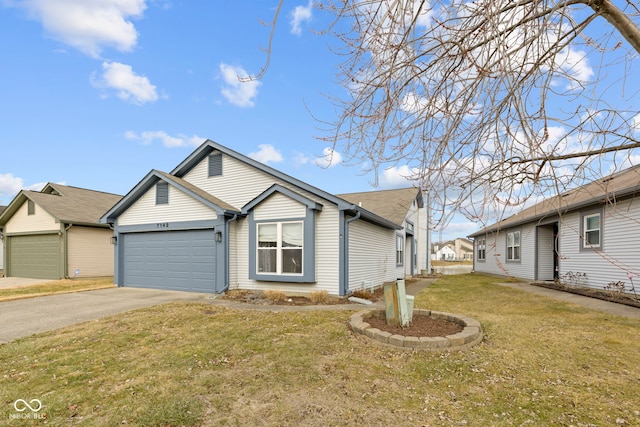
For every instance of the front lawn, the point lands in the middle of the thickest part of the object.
(543, 362)
(55, 287)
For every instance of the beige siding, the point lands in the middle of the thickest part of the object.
(181, 207)
(89, 250)
(278, 206)
(619, 256)
(21, 222)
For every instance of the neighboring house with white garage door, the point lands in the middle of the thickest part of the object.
(588, 236)
(221, 220)
(54, 233)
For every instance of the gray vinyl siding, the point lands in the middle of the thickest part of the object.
(620, 238)
(496, 254)
(371, 255)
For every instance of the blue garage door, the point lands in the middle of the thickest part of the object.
(175, 260)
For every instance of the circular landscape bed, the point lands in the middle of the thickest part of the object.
(429, 330)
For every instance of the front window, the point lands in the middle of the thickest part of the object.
(280, 246)
(591, 226)
(482, 249)
(513, 246)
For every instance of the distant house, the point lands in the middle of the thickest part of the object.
(55, 234)
(221, 220)
(2, 208)
(588, 236)
(458, 249)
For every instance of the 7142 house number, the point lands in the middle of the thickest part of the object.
(162, 225)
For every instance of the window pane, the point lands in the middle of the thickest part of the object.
(509, 239)
(593, 222)
(292, 235)
(593, 237)
(516, 252)
(267, 235)
(516, 238)
(292, 260)
(267, 260)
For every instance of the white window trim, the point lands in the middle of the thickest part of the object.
(279, 249)
(585, 230)
(482, 246)
(519, 246)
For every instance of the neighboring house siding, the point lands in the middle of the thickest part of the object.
(496, 254)
(21, 222)
(181, 207)
(371, 255)
(89, 250)
(620, 237)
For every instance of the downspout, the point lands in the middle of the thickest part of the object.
(65, 245)
(346, 248)
(227, 258)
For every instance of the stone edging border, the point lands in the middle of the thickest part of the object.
(471, 334)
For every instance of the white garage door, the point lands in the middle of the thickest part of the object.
(175, 260)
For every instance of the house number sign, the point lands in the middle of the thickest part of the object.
(162, 225)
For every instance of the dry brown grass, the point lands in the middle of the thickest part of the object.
(543, 363)
(319, 297)
(274, 296)
(55, 287)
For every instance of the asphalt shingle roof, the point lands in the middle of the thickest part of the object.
(391, 205)
(73, 204)
(605, 190)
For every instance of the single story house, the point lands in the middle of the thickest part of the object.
(588, 236)
(221, 220)
(54, 233)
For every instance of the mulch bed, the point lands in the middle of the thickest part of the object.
(420, 326)
(611, 296)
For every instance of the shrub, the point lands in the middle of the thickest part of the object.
(319, 297)
(274, 296)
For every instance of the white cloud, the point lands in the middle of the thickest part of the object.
(148, 137)
(128, 85)
(266, 154)
(395, 177)
(238, 93)
(329, 158)
(11, 185)
(299, 15)
(86, 25)
(300, 159)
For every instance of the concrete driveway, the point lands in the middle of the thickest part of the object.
(21, 318)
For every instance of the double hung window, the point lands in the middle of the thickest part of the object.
(280, 247)
(513, 246)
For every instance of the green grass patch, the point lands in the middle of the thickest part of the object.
(55, 287)
(542, 363)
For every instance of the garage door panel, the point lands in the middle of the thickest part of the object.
(177, 260)
(36, 256)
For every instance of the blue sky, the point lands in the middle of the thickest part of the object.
(95, 93)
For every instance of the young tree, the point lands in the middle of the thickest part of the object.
(488, 102)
